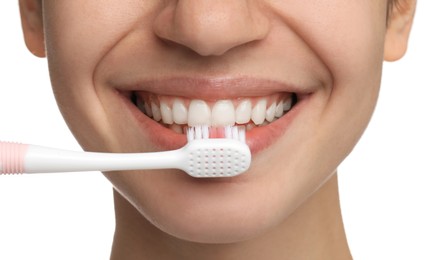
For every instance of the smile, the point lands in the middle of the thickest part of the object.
(164, 109)
(177, 113)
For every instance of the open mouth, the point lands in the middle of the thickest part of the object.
(165, 108)
(178, 113)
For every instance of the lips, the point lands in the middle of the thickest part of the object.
(164, 108)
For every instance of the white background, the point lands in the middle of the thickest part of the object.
(70, 216)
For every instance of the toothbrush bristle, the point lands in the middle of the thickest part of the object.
(206, 132)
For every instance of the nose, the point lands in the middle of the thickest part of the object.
(211, 27)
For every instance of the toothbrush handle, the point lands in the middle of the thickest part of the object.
(23, 158)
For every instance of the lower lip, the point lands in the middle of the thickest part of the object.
(258, 138)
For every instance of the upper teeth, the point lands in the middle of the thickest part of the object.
(257, 110)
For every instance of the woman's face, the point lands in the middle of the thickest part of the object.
(104, 56)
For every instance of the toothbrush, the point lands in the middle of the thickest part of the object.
(200, 157)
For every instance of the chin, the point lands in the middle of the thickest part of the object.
(213, 211)
(216, 219)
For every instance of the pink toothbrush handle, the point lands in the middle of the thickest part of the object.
(12, 157)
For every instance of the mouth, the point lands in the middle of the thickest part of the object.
(178, 113)
(166, 109)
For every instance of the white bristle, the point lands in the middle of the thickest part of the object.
(203, 132)
(242, 133)
(228, 132)
(190, 134)
(197, 132)
(235, 133)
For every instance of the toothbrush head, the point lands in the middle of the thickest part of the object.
(217, 157)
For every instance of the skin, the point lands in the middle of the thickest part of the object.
(286, 206)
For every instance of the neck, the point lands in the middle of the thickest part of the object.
(314, 231)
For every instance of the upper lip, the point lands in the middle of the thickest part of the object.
(213, 88)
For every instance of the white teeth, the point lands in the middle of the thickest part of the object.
(287, 104)
(258, 112)
(179, 112)
(166, 113)
(148, 110)
(223, 113)
(199, 113)
(140, 105)
(279, 110)
(176, 128)
(250, 126)
(244, 112)
(270, 112)
(156, 112)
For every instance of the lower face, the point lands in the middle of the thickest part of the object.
(305, 92)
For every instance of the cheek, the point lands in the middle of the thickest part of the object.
(78, 35)
(349, 41)
(349, 38)
(81, 32)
